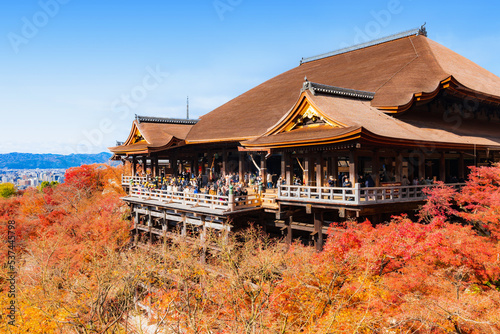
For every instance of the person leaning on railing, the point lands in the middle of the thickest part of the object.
(347, 184)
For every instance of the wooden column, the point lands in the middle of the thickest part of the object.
(263, 170)
(421, 166)
(288, 168)
(203, 239)
(319, 170)
(165, 229)
(283, 166)
(376, 168)
(134, 163)
(150, 225)
(334, 169)
(289, 231)
(308, 166)
(184, 225)
(318, 229)
(353, 160)
(173, 164)
(144, 166)
(195, 168)
(442, 167)
(461, 166)
(136, 223)
(180, 168)
(224, 162)
(241, 166)
(399, 167)
(210, 158)
(156, 166)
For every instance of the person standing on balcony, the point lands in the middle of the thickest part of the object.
(331, 181)
(369, 181)
(405, 182)
(269, 181)
(347, 183)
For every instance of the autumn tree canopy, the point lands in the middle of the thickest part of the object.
(7, 190)
(77, 273)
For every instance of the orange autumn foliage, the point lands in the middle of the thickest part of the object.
(440, 275)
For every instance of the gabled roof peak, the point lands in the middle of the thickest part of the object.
(149, 119)
(412, 32)
(339, 91)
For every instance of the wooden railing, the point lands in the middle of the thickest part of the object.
(356, 195)
(305, 194)
(136, 179)
(214, 202)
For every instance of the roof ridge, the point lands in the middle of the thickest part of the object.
(390, 38)
(340, 91)
(154, 119)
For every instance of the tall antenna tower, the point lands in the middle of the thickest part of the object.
(187, 108)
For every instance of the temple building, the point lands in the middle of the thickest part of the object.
(353, 133)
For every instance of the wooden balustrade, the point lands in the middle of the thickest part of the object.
(136, 179)
(305, 194)
(215, 202)
(356, 195)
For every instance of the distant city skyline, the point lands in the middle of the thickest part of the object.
(74, 73)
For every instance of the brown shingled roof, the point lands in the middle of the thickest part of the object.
(361, 120)
(156, 136)
(395, 71)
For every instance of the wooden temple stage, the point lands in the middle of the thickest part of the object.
(390, 114)
(161, 213)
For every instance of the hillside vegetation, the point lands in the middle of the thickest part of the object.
(77, 274)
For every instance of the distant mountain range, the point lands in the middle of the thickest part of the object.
(50, 161)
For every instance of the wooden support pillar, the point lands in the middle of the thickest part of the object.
(194, 166)
(319, 170)
(289, 231)
(421, 166)
(173, 164)
(263, 170)
(150, 225)
(376, 168)
(134, 165)
(181, 167)
(156, 166)
(399, 167)
(209, 170)
(135, 219)
(224, 162)
(241, 166)
(318, 229)
(165, 229)
(334, 169)
(144, 167)
(442, 167)
(461, 166)
(203, 239)
(288, 168)
(283, 166)
(184, 225)
(308, 166)
(353, 161)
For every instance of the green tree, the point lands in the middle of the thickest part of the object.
(7, 190)
(45, 184)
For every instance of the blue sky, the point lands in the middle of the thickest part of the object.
(74, 72)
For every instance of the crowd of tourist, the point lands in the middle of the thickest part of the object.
(223, 185)
(188, 183)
